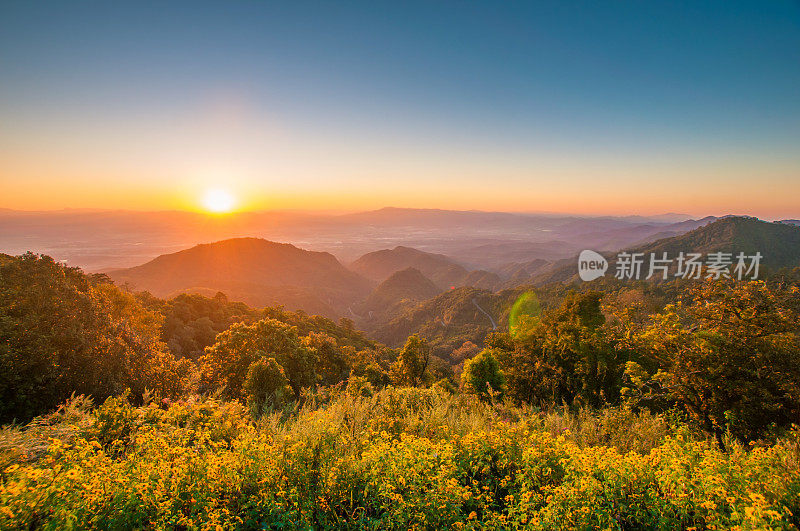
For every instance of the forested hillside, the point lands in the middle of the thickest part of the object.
(400, 288)
(778, 244)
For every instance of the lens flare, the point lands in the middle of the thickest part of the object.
(526, 311)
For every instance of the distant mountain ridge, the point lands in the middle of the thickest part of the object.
(380, 265)
(778, 243)
(99, 240)
(442, 270)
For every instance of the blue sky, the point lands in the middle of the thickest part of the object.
(338, 100)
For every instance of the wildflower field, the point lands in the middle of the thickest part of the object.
(404, 458)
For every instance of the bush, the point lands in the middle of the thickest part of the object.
(227, 361)
(359, 386)
(730, 358)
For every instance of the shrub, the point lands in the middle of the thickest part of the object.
(730, 358)
(227, 361)
(359, 386)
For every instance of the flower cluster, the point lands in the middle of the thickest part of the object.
(402, 459)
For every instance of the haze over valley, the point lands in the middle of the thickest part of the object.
(378, 268)
(103, 240)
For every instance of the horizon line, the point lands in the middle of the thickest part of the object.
(345, 212)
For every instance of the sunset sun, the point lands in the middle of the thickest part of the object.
(218, 201)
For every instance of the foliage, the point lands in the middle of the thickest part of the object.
(603, 394)
(524, 310)
(265, 384)
(465, 352)
(403, 458)
(566, 356)
(413, 361)
(192, 322)
(482, 375)
(731, 357)
(446, 321)
(64, 332)
(344, 333)
(359, 386)
(226, 363)
(330, 363)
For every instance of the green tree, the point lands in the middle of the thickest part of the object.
(329, 361)
(482, 375)
(359, 386)
(566, 356)
(413, 361)
(731, 358)
(265, 384)
(226, 362)
(64, 332)
(192, 322)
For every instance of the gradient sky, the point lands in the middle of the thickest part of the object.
(595, 107)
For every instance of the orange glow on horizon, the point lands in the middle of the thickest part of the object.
(696, 193)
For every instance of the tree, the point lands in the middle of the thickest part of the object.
(192, 322)
(373, 365)
(64, 332)
(731, 358)
(226, 362)
(359, 386)
(265, 384)
(413, 361)
(329, 362)
(466, 351)
(590, 365)
(566, 356)
(482, 375)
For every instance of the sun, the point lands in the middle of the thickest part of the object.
(218, 200)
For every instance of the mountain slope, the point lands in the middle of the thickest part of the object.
(380, 265)
(499, 255)
(447, 320)
(255, 271)
(406, 285)
(481, 279)
(778, 243)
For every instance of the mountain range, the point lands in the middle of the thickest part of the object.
(98, 240)
(486, 251)
(261, 272)
(380, 265)
(407, 285)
